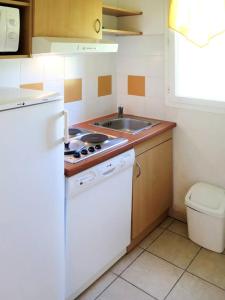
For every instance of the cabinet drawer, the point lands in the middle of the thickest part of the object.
(139, 149)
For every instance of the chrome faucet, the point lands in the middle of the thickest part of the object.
(120, 112)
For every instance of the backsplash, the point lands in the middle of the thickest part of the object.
(75, 77)
(141, 60)
(140, 75)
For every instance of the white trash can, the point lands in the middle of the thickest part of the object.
(205, 205)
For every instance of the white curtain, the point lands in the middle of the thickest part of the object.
(198, 20)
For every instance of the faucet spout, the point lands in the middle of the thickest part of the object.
(120, 112)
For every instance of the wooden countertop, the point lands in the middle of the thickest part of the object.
(133, 139)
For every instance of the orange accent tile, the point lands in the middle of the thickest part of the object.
(72, 90)
(104, 85)
(33, 86)
(136, 85)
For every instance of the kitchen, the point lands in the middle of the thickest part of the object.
(93, 85)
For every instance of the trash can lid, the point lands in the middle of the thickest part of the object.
(207, 199)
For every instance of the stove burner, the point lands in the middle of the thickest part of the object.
(74, 131)
(85, 144)
(94, 138)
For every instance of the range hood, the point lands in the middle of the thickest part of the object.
(55, 45)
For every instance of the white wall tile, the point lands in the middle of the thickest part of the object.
(75, 66)
(122, 85)
(32, 70)
(10, 73)
(133, 105)
(53, 67)
(77, 111)
(91, 87)
(141, 45)
(155, 108)
(56, 85)
(154, 87)
(101, 64)
(148, 65)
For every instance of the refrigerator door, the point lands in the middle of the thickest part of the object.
(32, 203)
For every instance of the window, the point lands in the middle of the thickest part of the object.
(196, 75)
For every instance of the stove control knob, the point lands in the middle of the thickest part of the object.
(91, 149)
(84, 152)
(76, 154)
(98, 147)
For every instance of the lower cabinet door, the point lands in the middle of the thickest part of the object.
(152, 186)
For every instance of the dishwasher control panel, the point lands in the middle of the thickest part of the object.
(90, 177)
(86, 178)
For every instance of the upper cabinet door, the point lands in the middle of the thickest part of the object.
(68, 18)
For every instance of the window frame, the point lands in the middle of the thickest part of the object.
(181, 102)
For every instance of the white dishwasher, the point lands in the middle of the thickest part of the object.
(98, 220)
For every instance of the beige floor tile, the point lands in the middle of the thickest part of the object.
(174, 248)
(93, 291)
(179, 228)
(151, 237)
(125, 261)
(122, 290)
(166, 223)
(191, 287)
(152, 274)
(209, 266)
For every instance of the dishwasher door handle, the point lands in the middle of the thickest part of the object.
(108, 172)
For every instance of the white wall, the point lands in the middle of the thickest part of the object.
(52, 70)
(199, 150)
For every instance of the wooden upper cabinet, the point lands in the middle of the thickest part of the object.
(68, 18)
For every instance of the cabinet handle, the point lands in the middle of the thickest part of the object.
(97, 26)
(139, 169)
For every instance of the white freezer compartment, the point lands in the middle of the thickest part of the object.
(98, 221)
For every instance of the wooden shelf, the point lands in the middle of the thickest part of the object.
(119, 12)
(120, 32)
(14, 56)
(15, 3)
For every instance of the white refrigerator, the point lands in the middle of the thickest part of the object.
(31, 195)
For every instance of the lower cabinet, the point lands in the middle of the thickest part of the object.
(152, 184)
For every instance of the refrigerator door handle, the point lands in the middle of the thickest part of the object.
(66, 127)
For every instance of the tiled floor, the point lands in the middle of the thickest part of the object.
(166, 265)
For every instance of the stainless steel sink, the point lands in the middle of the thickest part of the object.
(130, 125)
